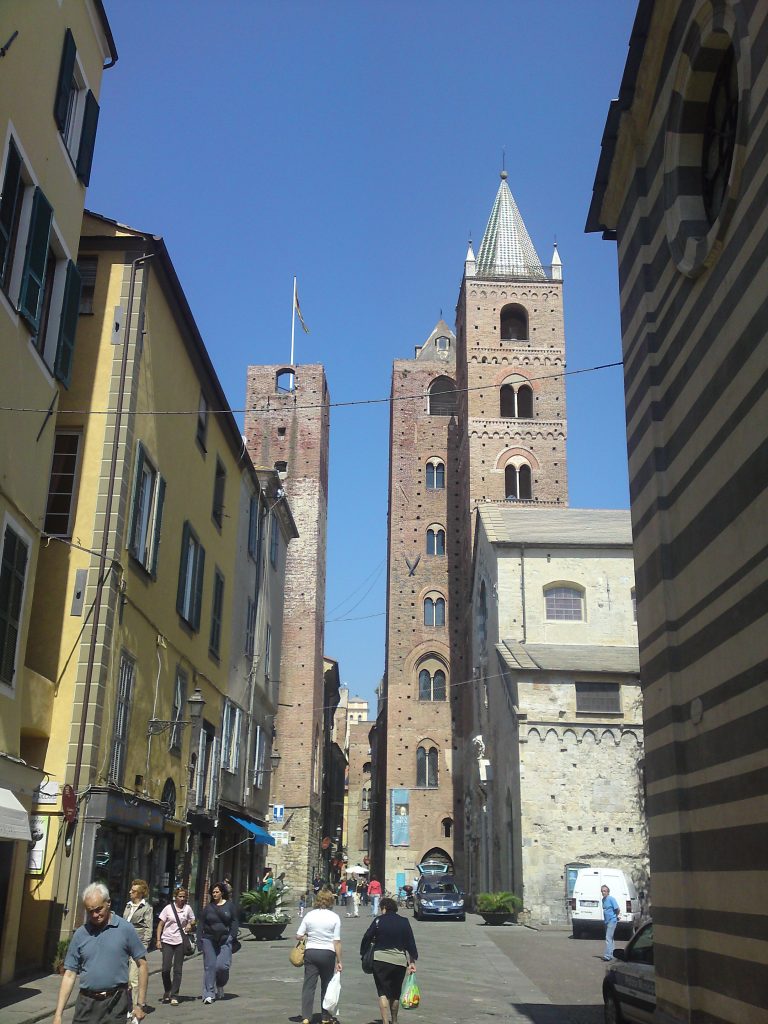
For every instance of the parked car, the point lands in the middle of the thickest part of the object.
(438, 896)
(587, 901)
(629, 988)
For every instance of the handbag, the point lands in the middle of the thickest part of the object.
(186, 939)
(236, 945)
(366, 961)
(296, 956)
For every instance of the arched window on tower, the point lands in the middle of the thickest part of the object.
(435, 540)
(516, 401)
(514, 323)
(426, 766)
(432, 681)
(442, 397)
(284, 381)
(435, 475)
(447, 824)
(518, 482)
(434, 610)
(507, 404)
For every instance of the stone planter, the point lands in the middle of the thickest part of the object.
(494, 917)
(266, 931)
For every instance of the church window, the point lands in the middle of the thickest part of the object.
(434, 610)
(516, 401)
(517, 482)
(432, 682)
(426, 767)
(514, 323)
(564, 603)
(442, 397)
(435, 540)
(435, 475)
(442, 344)
(598, 698)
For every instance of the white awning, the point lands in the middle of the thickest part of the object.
(14, 820)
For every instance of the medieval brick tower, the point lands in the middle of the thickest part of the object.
(287, 428)
(490, 426)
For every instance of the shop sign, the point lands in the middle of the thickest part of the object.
(47, 792)
(138, 815)
(38, 827)
(281, 838)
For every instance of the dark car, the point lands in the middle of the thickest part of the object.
(629, 988)
(438, 896)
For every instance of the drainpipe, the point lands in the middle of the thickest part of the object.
(522, 589)
(107, 523)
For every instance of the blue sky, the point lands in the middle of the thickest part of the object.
(357, 145)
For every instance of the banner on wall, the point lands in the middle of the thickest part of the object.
(399, 816)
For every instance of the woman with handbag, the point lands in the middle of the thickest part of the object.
(218, 939)
(322, 953)
(394, 954)
(173, 938)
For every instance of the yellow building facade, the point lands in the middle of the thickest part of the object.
(139, 594)
(50, 78)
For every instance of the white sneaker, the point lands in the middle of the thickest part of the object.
(207, 1000)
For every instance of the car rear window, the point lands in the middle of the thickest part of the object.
(433, 887)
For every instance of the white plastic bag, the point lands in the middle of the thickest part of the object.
(333, 994)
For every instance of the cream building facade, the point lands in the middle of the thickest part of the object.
(54, 53)
(554, 764)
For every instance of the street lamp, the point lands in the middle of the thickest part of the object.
(195, 704)
(275, 760)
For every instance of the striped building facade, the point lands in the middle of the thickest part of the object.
(682, 185)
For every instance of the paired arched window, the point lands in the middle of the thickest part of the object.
(435, 540)
(434, 610)
(442, 397)
(426, 767)
(514, 323)
(432, 681)
(518, 481)
(435, 475)
(564, 603)
(516, 401)
(365, 798)
(284, 381)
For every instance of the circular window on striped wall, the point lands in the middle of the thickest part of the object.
(705, 135)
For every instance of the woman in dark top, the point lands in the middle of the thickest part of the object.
(395, 953)
(218, 930)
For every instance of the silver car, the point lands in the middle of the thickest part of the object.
(629, 988)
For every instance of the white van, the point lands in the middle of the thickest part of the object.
(587, 900)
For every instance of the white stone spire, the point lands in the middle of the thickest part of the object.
(557, 265)
(469, 263)
(506, 249)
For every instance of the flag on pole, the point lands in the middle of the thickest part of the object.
(298, 311)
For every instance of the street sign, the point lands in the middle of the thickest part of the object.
(281, 838)
(278, 812)
(69, 803)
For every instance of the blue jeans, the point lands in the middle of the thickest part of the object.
(375, 910)
(610, 928)
(216, 964)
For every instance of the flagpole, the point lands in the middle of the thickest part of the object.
(293, 317)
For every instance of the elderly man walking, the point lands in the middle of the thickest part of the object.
(99, 953)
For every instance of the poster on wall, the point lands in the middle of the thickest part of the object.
(399, 817)
(38, 826)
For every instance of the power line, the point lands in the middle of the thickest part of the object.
(314, 405)
(352, 593)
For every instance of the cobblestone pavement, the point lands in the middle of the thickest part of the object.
(468, 974)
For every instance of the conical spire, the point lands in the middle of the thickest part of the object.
(506, 249)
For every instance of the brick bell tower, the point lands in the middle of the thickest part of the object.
(287, 426)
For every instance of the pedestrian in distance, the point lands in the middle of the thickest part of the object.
(218, 933)
(317, 884)
(374, 894)
(343, 888)
(322, 952)
(611, 918)
(98, 954)
(395, 954)
(176, 921)
(267, 880)
(138, 911)
(302, 904)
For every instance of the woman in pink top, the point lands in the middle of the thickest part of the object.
(171, 941)
(374, 894)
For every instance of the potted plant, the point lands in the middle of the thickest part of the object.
(57, 964)
(498, 907)
(264, 919)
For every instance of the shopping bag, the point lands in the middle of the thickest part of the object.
(410, 997)
(333, 994)
(296, 956)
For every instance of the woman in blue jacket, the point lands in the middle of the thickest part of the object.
(395, 954)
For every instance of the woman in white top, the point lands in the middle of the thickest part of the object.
(171, 940)
(322, 954)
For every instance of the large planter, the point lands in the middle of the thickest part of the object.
(494, 917)
(266, 931)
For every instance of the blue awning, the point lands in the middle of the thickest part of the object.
(260, 835)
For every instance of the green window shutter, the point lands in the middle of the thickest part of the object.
(185, 533)
(135, 498)
(198, 599)
(13, 566)
(158, 523)
(70, 306)
(87, 139)
(66, 69)
(11, 197)
(33, 278)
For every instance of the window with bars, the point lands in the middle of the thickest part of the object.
(13, 570)
(59, 509)
(565, 604)
(122, 717)
(598, 698)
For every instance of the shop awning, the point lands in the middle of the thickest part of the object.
(260, 834)
(14, 820)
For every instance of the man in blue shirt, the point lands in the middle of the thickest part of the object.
(611, 918)
(99, 954)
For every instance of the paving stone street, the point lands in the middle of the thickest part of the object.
(468, 974)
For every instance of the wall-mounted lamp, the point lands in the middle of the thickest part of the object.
(195, 705)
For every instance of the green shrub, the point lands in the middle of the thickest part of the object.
(61, 951)
(498, 903)
(262, 907)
